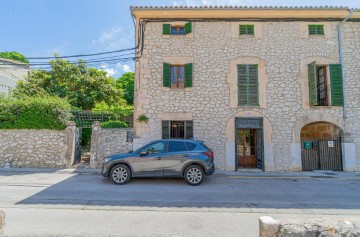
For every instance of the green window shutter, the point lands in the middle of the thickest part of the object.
(253, 92)
(188, 75)
(316, 29)
(248, 92)
(166, 29)
(312, 80)
(165, 129)
(246, 29)
(188, 27)
(166, 74)
(337, 96)
(189, 130)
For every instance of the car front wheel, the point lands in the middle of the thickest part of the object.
(120, 174)
(194, 175)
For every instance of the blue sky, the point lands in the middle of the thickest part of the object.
(67, 27)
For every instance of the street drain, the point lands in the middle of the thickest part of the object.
(322, 177)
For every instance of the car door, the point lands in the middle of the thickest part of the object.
(150, 163)
(175, 158)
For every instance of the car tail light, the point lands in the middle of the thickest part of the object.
(209, 153)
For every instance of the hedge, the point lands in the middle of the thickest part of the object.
(114, 124)
(34, 113)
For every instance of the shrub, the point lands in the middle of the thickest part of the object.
(44, 112)
(114, 124)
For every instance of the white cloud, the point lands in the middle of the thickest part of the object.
(108, 35)
(110, 71)
(115, 38)
(124, 67)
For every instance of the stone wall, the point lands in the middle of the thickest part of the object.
(282, 55)
(334, 227)
(108, 141)
(2, 222)
(37, 148)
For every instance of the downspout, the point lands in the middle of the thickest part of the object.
(341, 60)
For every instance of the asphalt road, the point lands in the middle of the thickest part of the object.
(64, 204)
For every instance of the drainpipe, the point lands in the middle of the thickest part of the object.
(341, 60)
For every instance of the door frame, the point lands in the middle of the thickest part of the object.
(250, 123)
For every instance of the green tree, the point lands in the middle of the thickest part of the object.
(14, 56)
(126, 83)
(82, 86)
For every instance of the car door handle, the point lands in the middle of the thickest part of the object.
(158, 158)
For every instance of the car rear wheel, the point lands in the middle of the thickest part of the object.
(120, 174)
(194, 175)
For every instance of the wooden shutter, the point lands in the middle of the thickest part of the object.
(166, 75)
(337, 96)
(189, 130)
(316, 29)
(248, 84)
(165, 129)
(246, 29)
(253, 85)
(188, 27)
(188, 75)
(166, 29)
(312, 81)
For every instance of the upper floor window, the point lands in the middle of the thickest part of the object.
(169, 29)
(248, 84)
(246, 29)
(316, 29)
(319, 85)
(177, 76)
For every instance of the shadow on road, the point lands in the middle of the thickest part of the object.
(215, 191)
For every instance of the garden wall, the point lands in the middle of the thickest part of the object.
(37, 148)
(108, 141)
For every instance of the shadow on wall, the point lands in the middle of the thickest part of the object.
(215, 191)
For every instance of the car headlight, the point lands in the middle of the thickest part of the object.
(106, 159)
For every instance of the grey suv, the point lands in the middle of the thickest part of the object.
(189, 159)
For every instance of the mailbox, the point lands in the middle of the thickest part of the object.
(307, 145)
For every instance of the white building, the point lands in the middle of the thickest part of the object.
(10, 72)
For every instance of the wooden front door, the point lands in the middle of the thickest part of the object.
(246, 148)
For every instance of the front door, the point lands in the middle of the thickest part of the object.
(247, 148)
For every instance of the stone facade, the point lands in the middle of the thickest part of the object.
(10, 73)
(37, 148)
(108, 141)
(282, 52)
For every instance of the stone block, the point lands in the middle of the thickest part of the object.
(268, 227)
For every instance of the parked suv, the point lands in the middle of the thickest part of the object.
(189, 159)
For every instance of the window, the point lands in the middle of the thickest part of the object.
(248, 84)
(246, 29)
(177, 76)
(190, 146)
(316, 29)
(176, 146)
(157, 147)
(319, 85)
(177, 129)
(177, 30)
(185, 29)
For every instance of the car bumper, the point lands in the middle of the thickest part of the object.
(104, 171)
(210, 171)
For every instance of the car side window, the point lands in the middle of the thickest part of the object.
(176, 146)
(190, 146)
(158, 147)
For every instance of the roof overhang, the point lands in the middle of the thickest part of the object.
(243, 12)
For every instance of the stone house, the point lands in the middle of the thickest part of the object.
(10, 73)
(275, 89)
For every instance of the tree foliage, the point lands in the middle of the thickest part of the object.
(14, 56)
(126, 83)
(82, 86)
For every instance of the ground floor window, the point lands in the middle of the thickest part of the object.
(177, 129)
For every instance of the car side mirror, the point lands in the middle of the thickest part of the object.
(143, 153)
(130, 152)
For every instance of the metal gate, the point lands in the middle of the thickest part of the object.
(321, 155)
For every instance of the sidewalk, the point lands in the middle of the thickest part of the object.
(231, 174)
